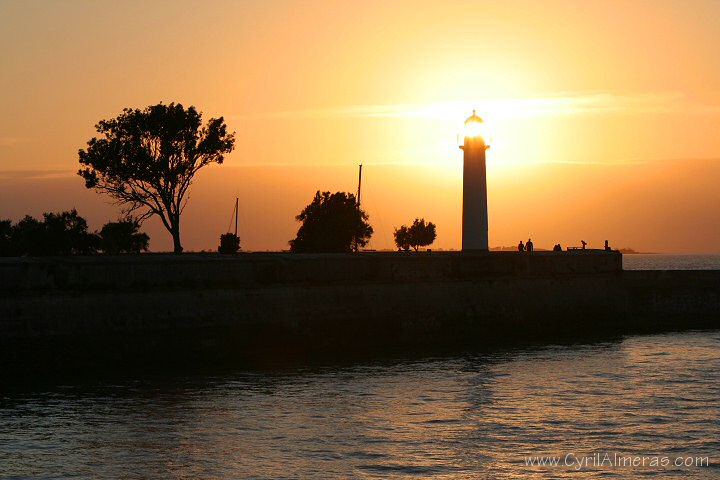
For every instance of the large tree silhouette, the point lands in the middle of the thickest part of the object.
(331, 223)
(146, 159)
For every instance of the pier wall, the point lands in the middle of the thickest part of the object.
(269, 304)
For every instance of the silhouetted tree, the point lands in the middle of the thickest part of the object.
(146, 159)
(422, 234)
(229, 243)
(419, 234)
(28, 237)
(67, 234)
(402, 238)
(6, 243)
(123, 236)
(331, 223)
(64, 233)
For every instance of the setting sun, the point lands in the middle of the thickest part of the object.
(474, 126)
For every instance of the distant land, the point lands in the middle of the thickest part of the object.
(630, 251)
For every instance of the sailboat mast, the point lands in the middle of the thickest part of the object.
(236, 216)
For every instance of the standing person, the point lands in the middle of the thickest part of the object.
(529, 245)
(607, 245)
(521, 246)
(584, 243)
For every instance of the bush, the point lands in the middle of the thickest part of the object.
(123, 236)
(229, 243)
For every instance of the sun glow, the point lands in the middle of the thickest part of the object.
(474, 129)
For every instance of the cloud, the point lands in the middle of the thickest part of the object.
(12, 141)
(34, 174)
(499, 109)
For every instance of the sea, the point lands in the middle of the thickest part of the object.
(664, 261)
(640, 406)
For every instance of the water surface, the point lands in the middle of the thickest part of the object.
(466, 416)
(671, 262)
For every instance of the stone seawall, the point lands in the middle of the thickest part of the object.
(197, 271)
(115, 308)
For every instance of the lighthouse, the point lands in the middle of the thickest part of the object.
(475, 210)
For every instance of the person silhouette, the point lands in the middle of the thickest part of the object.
(521, 246)
(529, 245)
(584, 243)
(607, 245)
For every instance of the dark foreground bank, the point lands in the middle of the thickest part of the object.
(118, 311)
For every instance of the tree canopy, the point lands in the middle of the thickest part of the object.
(66, 233)
(6, 238)
(402, 238)
(419, 234)
(146, 159)
(123, 236)
(63, 233)
(331, 223)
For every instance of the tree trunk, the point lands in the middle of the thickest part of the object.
(175, 231)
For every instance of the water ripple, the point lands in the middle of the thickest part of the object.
(470, 416)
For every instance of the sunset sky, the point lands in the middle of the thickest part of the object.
(605, 116)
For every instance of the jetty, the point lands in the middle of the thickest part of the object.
(121, 308)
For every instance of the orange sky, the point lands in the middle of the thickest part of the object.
(605, 115)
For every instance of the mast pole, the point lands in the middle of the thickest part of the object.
(236, 216)
(357, 201)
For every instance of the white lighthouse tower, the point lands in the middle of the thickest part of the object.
(475, 210)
